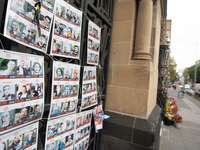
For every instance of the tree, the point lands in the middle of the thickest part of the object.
(191, 71)
(172, 69)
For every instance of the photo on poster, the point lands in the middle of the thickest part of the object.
(69, 140)
(23, 69)
(30, 13)
(70, 124)
(60, 11)
(36, 111)
(52, 131)
(7, 119)
(73, 105)
(37, 69)
(21, 115)
(51, 146)
(68, 74)
(89, 74)
(68, 32)
(48, 4)
(68, 16)
(29, 34)
(30, 138)
(23, 92)
(36, 90)
(94, 88)
(78, 122)
(58, 73)
(75, 75)
(16, 142)
(14, 28)
(57, 91)
(7, 68)
(45, 20)
(66, 91)
(41, 42)
(75, 51)
(85, 102)
(62, 127)
(59, 29)
(89, 88)
(18, 6)
(65, 108)
(57, 46)
(66, 49)
(56, 109)
(76, 19)
(74, 89)
(76, 35)
(7, 94)
(60, 143)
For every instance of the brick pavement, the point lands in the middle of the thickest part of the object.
(188, 136)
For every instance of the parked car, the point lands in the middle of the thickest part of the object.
(187, 86)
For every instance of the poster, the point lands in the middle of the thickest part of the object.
(60, 133)
(21, 26)
(97, 115)
(20, 139)
(65, 89)
(21, 89)
(82, 132)
(93, 46)
(66, 35)
(89, 88)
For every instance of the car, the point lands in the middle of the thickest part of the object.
(187, 86)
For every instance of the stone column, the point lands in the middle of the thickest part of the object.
(143, 30)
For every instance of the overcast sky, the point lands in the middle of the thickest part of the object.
(185, 33)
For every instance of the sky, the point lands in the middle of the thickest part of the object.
(185, 31)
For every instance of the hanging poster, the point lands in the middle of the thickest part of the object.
(97, 115)
(66, 35)
(20, 139)
(83, 127)
(60, 133)
(93, 46)
(21, 26)
(65, 89)
(89, 88)
(21, 89)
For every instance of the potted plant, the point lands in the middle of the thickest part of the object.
(178, 120)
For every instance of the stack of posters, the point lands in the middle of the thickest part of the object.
(21, 26)
(93, 48)
(23, 138)
(89, 89)
(83, 125)
(66, 35)
(98, 114)
(21, 89)
(65, 88)
(60, 133)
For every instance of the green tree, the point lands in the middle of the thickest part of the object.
(172, 69)
(191, 71)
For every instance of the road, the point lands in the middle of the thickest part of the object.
(188, 136)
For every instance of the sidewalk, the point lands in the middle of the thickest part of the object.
(188, 136)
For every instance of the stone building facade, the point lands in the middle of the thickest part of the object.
(135, 118)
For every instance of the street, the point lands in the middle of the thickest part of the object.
(188, 136)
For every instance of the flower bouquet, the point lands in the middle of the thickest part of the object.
(178, 120)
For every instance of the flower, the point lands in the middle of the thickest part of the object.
(178, 118)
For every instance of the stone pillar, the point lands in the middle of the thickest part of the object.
(143, 30)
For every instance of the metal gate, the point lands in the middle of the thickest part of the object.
(101, 13)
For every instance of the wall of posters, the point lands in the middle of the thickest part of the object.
(21, 89)
(97, 114)
(82, 132)
(21, 26)
(23, 138)
(65, 88)
(89, 88)
(66, 35)
(60, 133)
(93, 48)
